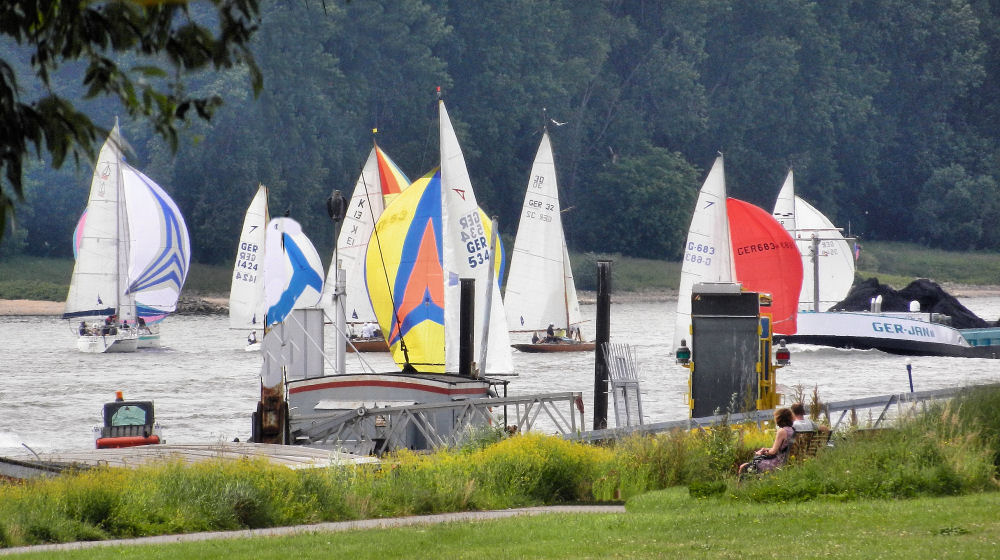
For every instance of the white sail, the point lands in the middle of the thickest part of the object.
(98, 287)
(160, 248)
(246, 293)
(293, 272)
(836, 262)
(466, 254)
(540, 288)
(707, 253)
(380, 182)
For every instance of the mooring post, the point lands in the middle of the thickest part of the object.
(466, 329)
(603, 336)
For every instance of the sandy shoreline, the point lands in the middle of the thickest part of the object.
(219, 304)
(24, 307)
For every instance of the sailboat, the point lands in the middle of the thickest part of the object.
(707, 253)
(540, 290)
(432, 236)
(828, 280)
(380, 183)
(246, 292)
(831, 273)
(133, 254)
(731, 241)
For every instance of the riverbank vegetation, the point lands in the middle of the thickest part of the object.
(948, 450)
(884, 109)
(895, 264)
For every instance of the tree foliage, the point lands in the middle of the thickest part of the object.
(165, 41)
(886, 109)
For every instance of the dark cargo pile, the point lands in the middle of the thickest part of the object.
(932, 298)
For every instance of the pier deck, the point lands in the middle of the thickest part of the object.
(292, 456)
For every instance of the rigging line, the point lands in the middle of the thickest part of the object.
(385, 274)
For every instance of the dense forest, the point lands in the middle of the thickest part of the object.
(887, 110)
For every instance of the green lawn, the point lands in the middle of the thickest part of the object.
(664, 524)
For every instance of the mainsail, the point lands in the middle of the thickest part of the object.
(380, 183)
(707, 253)
(540, 288)
(246, 293)
(99, 284)
(766, 260)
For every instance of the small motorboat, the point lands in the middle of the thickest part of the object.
(127, 424)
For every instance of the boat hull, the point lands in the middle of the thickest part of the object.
(344, 393)
(908, 334)
(107, 344)
(544, 347)
(149, 340)
(368, 345)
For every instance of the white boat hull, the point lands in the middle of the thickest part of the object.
(897, 333)
(149, 340)
(105, 344)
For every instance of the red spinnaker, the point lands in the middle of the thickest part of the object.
(766, 260)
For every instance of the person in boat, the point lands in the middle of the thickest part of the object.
(142, 326)
(550, 333)
(125, 324)
(534, 337)
(767, 459)
(368, 330)
(573, 334)
(83, 329)
(252, 337)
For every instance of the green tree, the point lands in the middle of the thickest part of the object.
(646, 198)
(169, 40)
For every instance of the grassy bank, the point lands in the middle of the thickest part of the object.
(663, 524)
(48, 279)
(895, 264)
(948, 451)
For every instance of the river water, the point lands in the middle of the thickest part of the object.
(205, 386)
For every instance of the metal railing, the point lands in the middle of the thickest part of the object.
(376, 430)
(882, 404)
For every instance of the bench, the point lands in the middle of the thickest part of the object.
(807, 444)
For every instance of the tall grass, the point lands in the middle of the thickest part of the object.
(629, 274)
(34, 278)
(951, 449)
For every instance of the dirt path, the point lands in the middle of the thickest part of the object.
(333, 527)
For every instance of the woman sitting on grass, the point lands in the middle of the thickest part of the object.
(769, 459)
